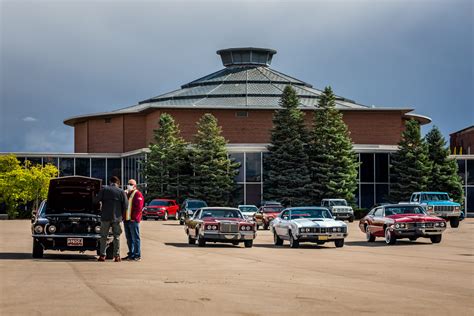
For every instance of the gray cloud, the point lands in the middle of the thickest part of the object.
(61, 59)
(29, 119)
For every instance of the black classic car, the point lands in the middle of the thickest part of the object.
(187, 209)
(68, 219)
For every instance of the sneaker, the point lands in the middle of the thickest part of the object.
(127, 258)
(137, 259)
(101, 258)
(117, 259)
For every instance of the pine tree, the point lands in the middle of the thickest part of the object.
(410, 164)
(214, 171)
(166, 163)
(332, 161)
(444, 173)
(287, 175)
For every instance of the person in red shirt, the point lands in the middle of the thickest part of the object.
(131, 221)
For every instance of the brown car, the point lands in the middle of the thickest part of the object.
(266, 214)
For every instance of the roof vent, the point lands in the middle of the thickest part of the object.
(246, 56)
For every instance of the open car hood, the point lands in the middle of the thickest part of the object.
(73, 195)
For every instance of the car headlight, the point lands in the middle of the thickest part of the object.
(339, 229)
(97, 229)
(51, 229)
(442, 224)
(214, 227)
(334, 229)
(39, 229)
(397, 225)
(436, 224)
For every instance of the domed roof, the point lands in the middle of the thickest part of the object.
(246, 82)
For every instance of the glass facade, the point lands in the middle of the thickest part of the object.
(373, 178)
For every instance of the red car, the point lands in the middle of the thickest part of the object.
(396, 221)
(161, 209)
(265, 215)
(220, 224)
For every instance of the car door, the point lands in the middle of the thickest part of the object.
(173, 208)
(281, 227)
(378, 222)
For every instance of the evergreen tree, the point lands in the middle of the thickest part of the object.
(332, 161)
(166, 163)
(444, 173)
(287, 175)
(410, 164)
(214, 171)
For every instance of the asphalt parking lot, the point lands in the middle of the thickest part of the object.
(409, 278)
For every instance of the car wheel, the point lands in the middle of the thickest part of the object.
(109, 252)
(351, 219)
(166, 216)
(339, 243)
(144, 218)
(201, 241)
(294, 243)
(37, 249)
(454, 222)
(277, 240)
(389, 237)
(436, 239)
(191, 241)
(235, 243)
(248, 243)
(368, 234)
(181, 221)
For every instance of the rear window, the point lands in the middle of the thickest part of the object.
(272, 209)
(196, 204)
(159, 203)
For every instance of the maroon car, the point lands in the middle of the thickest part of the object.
(396, 221)
(161, 209)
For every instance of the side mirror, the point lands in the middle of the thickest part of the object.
(451, 199)
(285, 218)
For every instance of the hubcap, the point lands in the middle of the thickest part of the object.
(387, 235)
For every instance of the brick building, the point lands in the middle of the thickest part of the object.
(462, 142)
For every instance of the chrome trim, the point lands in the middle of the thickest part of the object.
(66, 236)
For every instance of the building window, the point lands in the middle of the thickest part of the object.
(238, 195)
(367, 168)
(239, 157)
(114, 167)
(470, 172)
(253, 194)
(83, 167)
(241, 114)
(253, 167)
(366, 195)
(381, 167)
(98, 169)
(66, 167)
(51, 161)
(34, 160)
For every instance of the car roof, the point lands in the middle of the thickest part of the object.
(302, 208)
(242, 205)
(219, 208)
(163, 200)
(395, 205)
(187, 200)
(334, 199)
(430, 192)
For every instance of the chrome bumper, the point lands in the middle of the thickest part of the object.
(418, 232)
(321, 237)
(216, 235)
(93, 236)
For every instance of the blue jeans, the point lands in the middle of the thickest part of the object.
(132, 233)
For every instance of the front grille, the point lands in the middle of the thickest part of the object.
(325, 230)
(74, 228)
(229, 228)
(425, 225)
(443, 208)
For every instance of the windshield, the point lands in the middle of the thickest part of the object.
(311, 213)
(435, 197)
(248, 208)
(406, 209)
(226, 213)
(196, 204)
(159, 203)
(338, 203)
(272, 209)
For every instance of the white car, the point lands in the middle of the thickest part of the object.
(339, 208)
(308, 224)
(248, 211)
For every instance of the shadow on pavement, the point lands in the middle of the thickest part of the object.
(302, 246)
(46, 257)
(177, 224)
(208, 245)
(382, 243)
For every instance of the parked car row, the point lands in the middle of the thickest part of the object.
(69, 219)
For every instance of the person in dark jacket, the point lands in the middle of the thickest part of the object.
(131, 221)
(114, 204)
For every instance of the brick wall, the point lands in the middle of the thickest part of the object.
(367, 127)
(80, 137)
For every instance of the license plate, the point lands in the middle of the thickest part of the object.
(323, 237)
(75, 242)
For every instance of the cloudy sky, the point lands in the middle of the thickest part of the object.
(66, 58)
